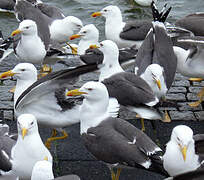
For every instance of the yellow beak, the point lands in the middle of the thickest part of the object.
(96, 14)
(93, 46)
(17, 31)
(183, 151)
(46, 158)
(75, 36)
(75, 92)
(6, 74)
(24, 132)
(158, 84)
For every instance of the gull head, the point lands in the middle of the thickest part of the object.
(26, 27)
(182, 136)
(155, 71)
(73, 23)
(88, 32)
(109, 11)
(27, 125)
(23, 71)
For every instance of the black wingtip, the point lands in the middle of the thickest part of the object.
(160, 16)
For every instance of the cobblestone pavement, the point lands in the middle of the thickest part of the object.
(70, 156)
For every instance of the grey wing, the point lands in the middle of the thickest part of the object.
(50, 83)
(164, 54)
(192, 40)
(145, 53)
(199, 143)
(6, 144)
(51, 11)
(136, 31)
(25, 10)
(193, 23)
(129, 89)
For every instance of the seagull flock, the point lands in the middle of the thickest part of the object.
(153, 49)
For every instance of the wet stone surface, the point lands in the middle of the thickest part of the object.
(70, 155)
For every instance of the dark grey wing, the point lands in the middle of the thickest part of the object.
(193, 175)
(50, 83)
(145, 53)
(7, 5)
(129, 89)
(193, 23)
(136, 31)
(8, 177)
(192, 40)
(199, 143)
(68, 177)
(51, 11)
(164, 54)
(6, 144)
(117, 141)
(25, 10)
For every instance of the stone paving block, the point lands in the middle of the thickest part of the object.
(177, 90)
(192, 97)
(199, 115)
(9, 83)
(179, 77)
(176, 97)
(168, 108)
(8, 115)
(198, 83)
(195, 89)
(184, 115)
(185, 83)
(8, 105)
(5, 95)
(184, 106)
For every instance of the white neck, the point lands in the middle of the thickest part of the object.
(22, 85)
(110, 66)
(92, 114)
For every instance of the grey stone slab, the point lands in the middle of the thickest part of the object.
(195, 89)
(198, 83)
(9, 82)
(8, 105)
(8, 115)
(179, 77)
(184, 106)
(184, 115)
(192, 97)
(5, 95)
(177, 90)
(199, 115)
(176, 97)
(184, 83)
(168, 108)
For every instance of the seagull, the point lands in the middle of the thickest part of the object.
(45, 98)
(156, 62)
(126, 34)
(42, 170)
(25, 154)
(129, 89)
(180, 156)
(190, 61)
(113, 140)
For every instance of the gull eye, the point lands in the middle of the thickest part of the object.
(178, 139)
(27, 27)
(78, 25)
(31, 123)
(101, 44)
(105, 10)
(84, 31)
(90, 89)
(22, 69)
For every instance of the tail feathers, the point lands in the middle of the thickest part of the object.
(113, 107)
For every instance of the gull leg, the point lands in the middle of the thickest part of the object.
(45, 70)
(112, 174)
(200, 95)
(74, 50)
(12, 90)
(118, 173)
(195, 79)
(49, 140)
(142, 123)
(166, 117)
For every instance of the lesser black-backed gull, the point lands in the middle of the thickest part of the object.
(122, 33)
(190, 61)
(180, 155)
(137, 95)
(46, 99)
(28, 149)
(112, 140)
